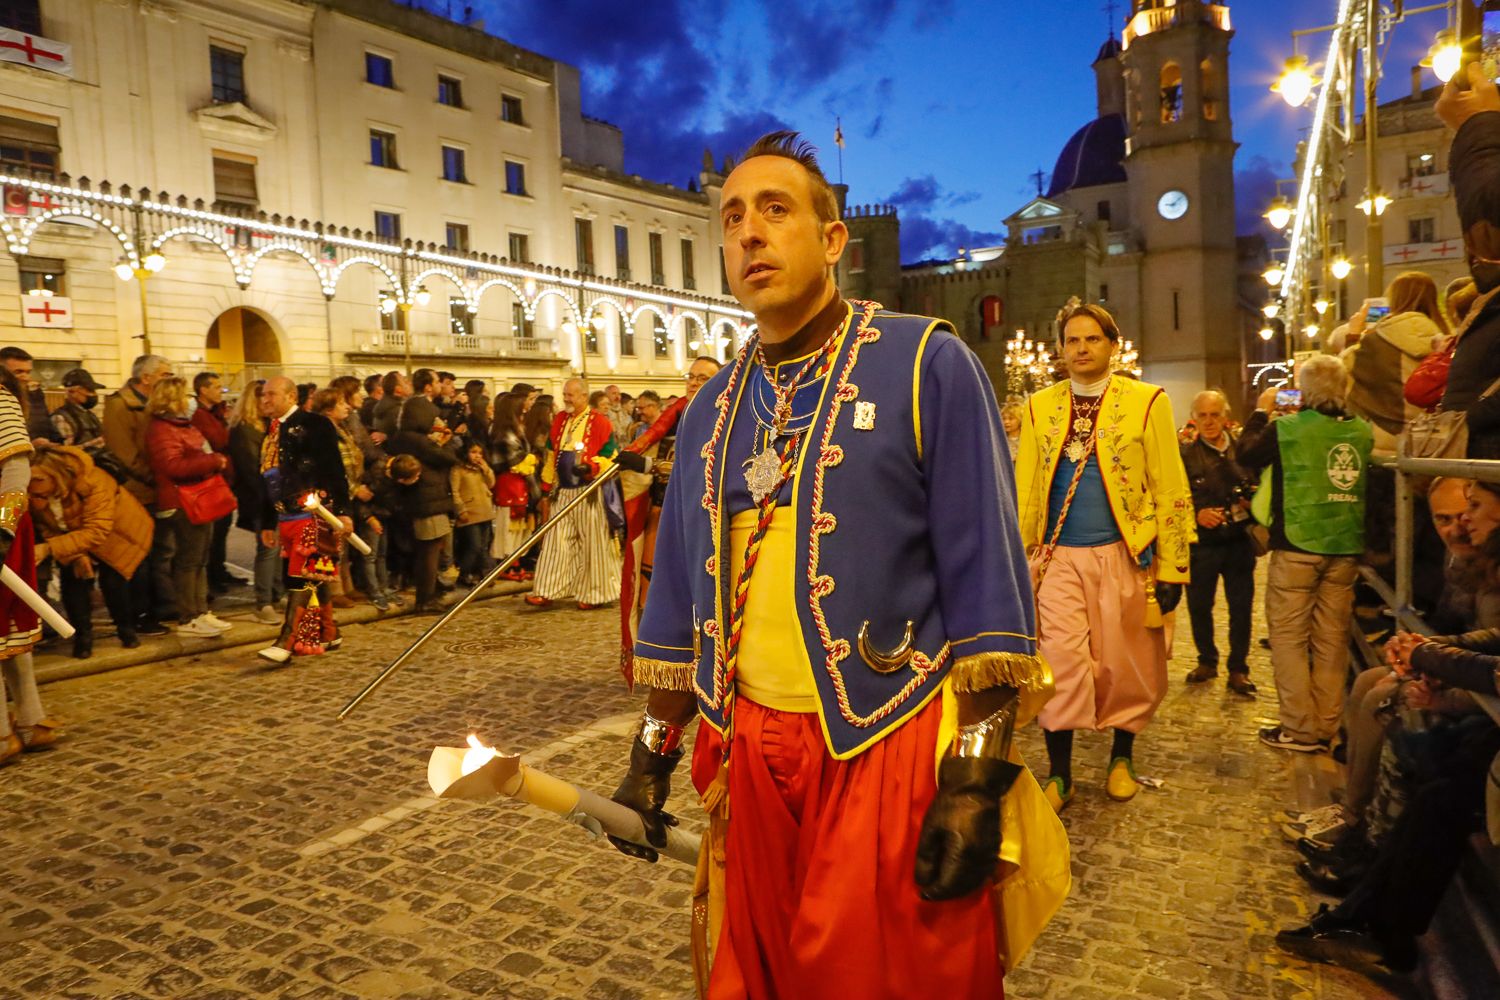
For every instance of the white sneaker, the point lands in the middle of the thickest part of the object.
(267, 615)
(1329, 819)
(275, 654)
(198, 626)
(217, 622)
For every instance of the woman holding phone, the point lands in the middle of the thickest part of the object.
(1395, 333)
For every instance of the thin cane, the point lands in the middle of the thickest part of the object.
(536, 536)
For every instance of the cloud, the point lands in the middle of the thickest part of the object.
(923, 237)
(662, 73)
(1254, 187)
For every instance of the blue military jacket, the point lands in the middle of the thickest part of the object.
(905, 511)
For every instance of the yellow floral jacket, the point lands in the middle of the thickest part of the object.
(1138, 455)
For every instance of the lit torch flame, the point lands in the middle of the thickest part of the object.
(476, 756)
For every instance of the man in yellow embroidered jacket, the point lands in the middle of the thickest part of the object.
(1107, 519)
(841, 594)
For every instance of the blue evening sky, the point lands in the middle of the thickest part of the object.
(947, 105)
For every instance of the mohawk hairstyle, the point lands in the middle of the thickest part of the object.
(791, 146)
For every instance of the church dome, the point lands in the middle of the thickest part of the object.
(1093, 156)
(1109, 50)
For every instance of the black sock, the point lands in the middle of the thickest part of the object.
(1124, 744)
(1060, 754)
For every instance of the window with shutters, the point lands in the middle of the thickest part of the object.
(227, 71)
(383, 149)
(388, 226)
(520, 248)
(627, 336)
(510, 110)
(583, 235)
(688, 280)
(380, 70)
(29, 149)
(42, 274)
(450, 91)
(659, 338)
(454, 167)
(622, 253)
(456, 237)
(22, 15)
(234, 183)
(658, 266)
(520, 326)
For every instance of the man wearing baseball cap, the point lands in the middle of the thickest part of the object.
(76, 421)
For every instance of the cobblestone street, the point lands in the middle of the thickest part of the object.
(208, 830)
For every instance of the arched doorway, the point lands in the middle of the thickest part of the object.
(240, 344)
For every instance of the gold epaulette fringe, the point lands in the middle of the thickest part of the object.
(664, 674)
(12, 506)
(1025, 671)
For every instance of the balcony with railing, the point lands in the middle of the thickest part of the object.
(1182, 12)
(392, 343)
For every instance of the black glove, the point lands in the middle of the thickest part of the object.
(645, 789)
(1168, 596)
(960, 842)
(632, 462)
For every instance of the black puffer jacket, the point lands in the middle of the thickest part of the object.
(1474, 167)
(432, 495)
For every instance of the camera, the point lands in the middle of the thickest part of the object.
(1239, 495)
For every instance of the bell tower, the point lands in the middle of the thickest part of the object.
(1179, 157)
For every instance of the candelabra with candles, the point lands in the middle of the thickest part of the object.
(1129, 359)
(1028, 366)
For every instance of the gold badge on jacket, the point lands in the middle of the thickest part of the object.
(864, 415)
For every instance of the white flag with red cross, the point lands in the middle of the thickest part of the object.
(34, 50)
(54, 311)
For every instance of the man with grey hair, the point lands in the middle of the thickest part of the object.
(124, 429)
(1221, 502)
(1318, 457)
(579, 559)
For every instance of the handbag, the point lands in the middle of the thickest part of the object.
(207, 500)
(1444, 434)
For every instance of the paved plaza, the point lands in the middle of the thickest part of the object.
(208, 830)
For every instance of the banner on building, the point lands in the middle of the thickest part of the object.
(1410, 253)
(51, 311)
(36, 51)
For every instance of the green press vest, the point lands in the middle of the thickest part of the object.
(1324, 469)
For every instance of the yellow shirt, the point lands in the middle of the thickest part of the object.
(773, 668)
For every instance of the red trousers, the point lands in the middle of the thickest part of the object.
(820, 899)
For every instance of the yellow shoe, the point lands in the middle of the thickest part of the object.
(1058, 792)
(1121, 785)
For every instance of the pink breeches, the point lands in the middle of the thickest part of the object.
(1110, 669)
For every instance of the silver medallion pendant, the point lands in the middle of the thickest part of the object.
(763, 475)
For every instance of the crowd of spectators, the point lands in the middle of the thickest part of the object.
(443, 481)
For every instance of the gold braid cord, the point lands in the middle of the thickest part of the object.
(665, 674)
(1026, 671)
(12, 506)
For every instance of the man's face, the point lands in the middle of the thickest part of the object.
(276, 399)
(22, 371)
(612, 393)
(777, 251)
(150, 378)
(403, 387)
(1448, 505)
(378, 391)
(575, 397)
(1086, 349)
(211, 394)
(79, 394)
(650, 410)
(698, 374)
(446, 388)
(1209, 418)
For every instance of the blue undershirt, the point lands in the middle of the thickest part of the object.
(1090, 521)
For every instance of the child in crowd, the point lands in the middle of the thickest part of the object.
(393, 484)
(472, 482)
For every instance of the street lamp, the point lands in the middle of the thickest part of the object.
(1320, 306)
(1311, 330)
(1341, 268)
(1445, 56)
(125, 270)
(1266, 333)
(1296, 82)
(1378, 201)
(1280, 213)
(1274, 274)
(1271, 309)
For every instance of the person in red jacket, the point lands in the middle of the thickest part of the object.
(180, 455)
(212, 420)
